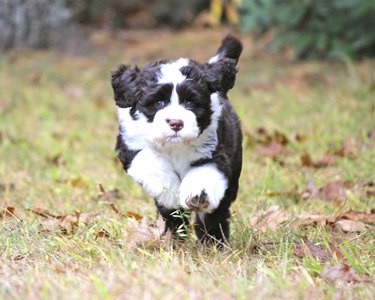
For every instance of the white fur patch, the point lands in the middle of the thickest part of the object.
(155, 174)
(205, 178)
(214, 59)
(170, 73)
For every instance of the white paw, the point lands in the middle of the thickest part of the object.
(202, 189)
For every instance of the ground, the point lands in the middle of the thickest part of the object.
(306, 125)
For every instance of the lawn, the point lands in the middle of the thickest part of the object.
(309, 152)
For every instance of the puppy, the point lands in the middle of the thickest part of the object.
(181, 139)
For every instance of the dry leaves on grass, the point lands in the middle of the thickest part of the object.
(325, 161)
(140, 231)
(350, 221)
(339, 272)
(10, 212)
(269, 219)
(271, 144)
(145, 233)
(306, 248)
(333, 191)
(63, 223)
(343, 272)
(273, 150)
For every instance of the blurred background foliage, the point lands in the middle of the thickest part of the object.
(315, 28)
(311, 28)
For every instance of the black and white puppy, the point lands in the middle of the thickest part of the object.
(180, 137)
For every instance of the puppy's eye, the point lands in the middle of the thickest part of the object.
(159, 104)
(190, 104)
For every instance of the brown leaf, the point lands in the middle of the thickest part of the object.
(134, 215)
(265, 138)
(11, 212)
(300, 138)
(351, 226)
(43, 213)
(334, 191)
(348, 149)
(343, 272)
(56, 160)
(359, 216)
(63, 223)
(325, 161)
(77, 182)
(272, 150)
(371, 134)
(307, 219)
(269, 219)
(305, 247)
(146, 233)
(334, 250)
(109, 199)
(104, 234)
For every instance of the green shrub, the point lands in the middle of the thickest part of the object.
(315, 28)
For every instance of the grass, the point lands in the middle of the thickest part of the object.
(57, 133)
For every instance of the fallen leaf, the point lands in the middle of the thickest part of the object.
(43, 212)
(360, 216)
(104, 234)
(7, 187)
(11, 212)
(348, 149)
(308, 219)
(134, 215)
(77, 182)
(64, 223)
(334, 191)
(343, 272)
(273, 150)
(147, 234)
(325, 161)
(300, 138)
(351, 226)
(269, 219)
(337, 252)
(56, 160)
(263, 137)
(371, 134)
(305, 247)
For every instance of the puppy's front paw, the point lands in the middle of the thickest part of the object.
(202, 189)
(198, 202)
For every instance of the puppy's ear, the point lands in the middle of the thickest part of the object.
(124, 84)
(221, 69)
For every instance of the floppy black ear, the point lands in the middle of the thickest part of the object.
(124, 84)
(221, 69)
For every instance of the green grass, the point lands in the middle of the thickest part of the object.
(57, 133)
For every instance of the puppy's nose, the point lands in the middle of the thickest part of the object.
(175, 124)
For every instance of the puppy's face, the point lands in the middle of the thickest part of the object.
(171, 102)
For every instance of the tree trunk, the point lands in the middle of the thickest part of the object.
(36, 24)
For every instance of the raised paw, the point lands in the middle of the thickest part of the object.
(198, 202)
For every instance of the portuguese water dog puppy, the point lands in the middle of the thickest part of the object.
(180, 138)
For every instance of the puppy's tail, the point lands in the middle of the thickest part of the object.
(230, 47)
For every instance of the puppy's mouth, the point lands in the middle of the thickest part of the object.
(173, 139)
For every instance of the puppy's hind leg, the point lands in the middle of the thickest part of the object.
(177, 220)
(213, 228)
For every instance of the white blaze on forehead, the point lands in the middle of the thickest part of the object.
(170, 73)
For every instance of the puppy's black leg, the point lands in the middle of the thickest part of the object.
(213, 228)
(177, 220)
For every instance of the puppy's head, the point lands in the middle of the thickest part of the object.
(175, 101)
